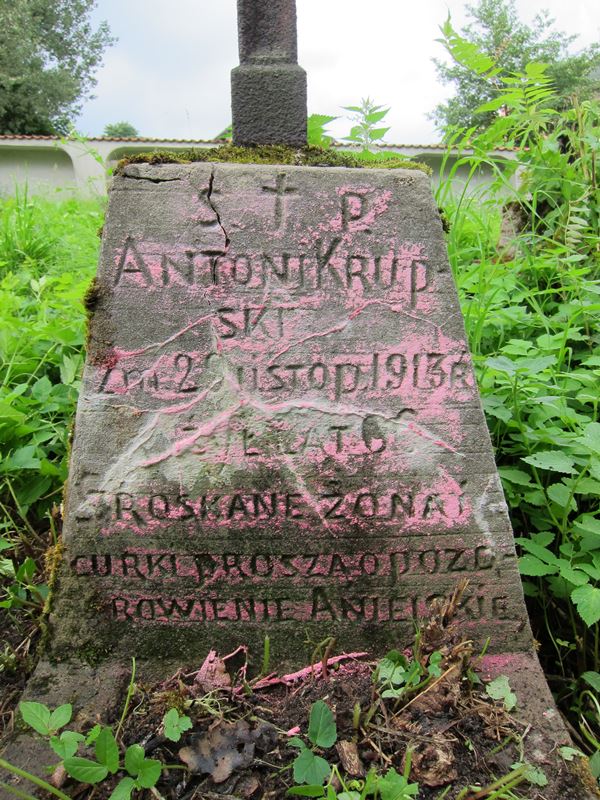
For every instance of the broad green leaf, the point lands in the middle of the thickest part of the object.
(149, 773)
(593, 679)
(377, 133)
(322, 730)
(37, 716)
(538, 550)
(493, 105)
(123, 789)
(396, 787)
(310, 768)
(134, 757)
(586, 523)
(107, 750)
(561, 495)
(530, 565)
(569, 573)
(66, 744)
(591, 437)
(595, 764)
(61, 716)
(85, 770)
(22, 458)
(554, 460)
(587, 603)
(502, 364)
(516, 476)
(376, 116)
(295, 741)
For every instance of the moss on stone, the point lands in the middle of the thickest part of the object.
(275, 154)
(91, 296)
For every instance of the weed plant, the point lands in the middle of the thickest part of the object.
(48, 253)
(531, 301)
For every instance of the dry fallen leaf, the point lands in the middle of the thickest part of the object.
(348, 753)
(225, 747)
(433, 764)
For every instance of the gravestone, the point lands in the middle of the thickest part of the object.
(279, 430)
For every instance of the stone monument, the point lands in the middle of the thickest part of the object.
(279, 430)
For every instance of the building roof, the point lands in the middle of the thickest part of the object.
(152, 139)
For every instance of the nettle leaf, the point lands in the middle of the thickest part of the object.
(107, 750)
(516, 476)
(85, 770)
(561, 495)
(532, 566)
(322, 730)
(310, 768)
(587, 603)
(591, 437)
(554, 460)
(37, 716)
(572, 574)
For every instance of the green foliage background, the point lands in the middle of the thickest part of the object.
(495, 28)
(48, 54)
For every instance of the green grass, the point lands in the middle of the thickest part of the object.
(48, 253)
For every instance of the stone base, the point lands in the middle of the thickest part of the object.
(268, 103)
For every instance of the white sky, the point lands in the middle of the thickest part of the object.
(168, 74)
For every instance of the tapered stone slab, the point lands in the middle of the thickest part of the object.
(279, 430)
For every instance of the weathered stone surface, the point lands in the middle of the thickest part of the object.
(279, 430)
(268, 89)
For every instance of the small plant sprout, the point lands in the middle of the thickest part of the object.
(175, 724)
(499, 689)
(308, 767)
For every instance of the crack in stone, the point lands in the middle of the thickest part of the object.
(209, 200)
(152, 180)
